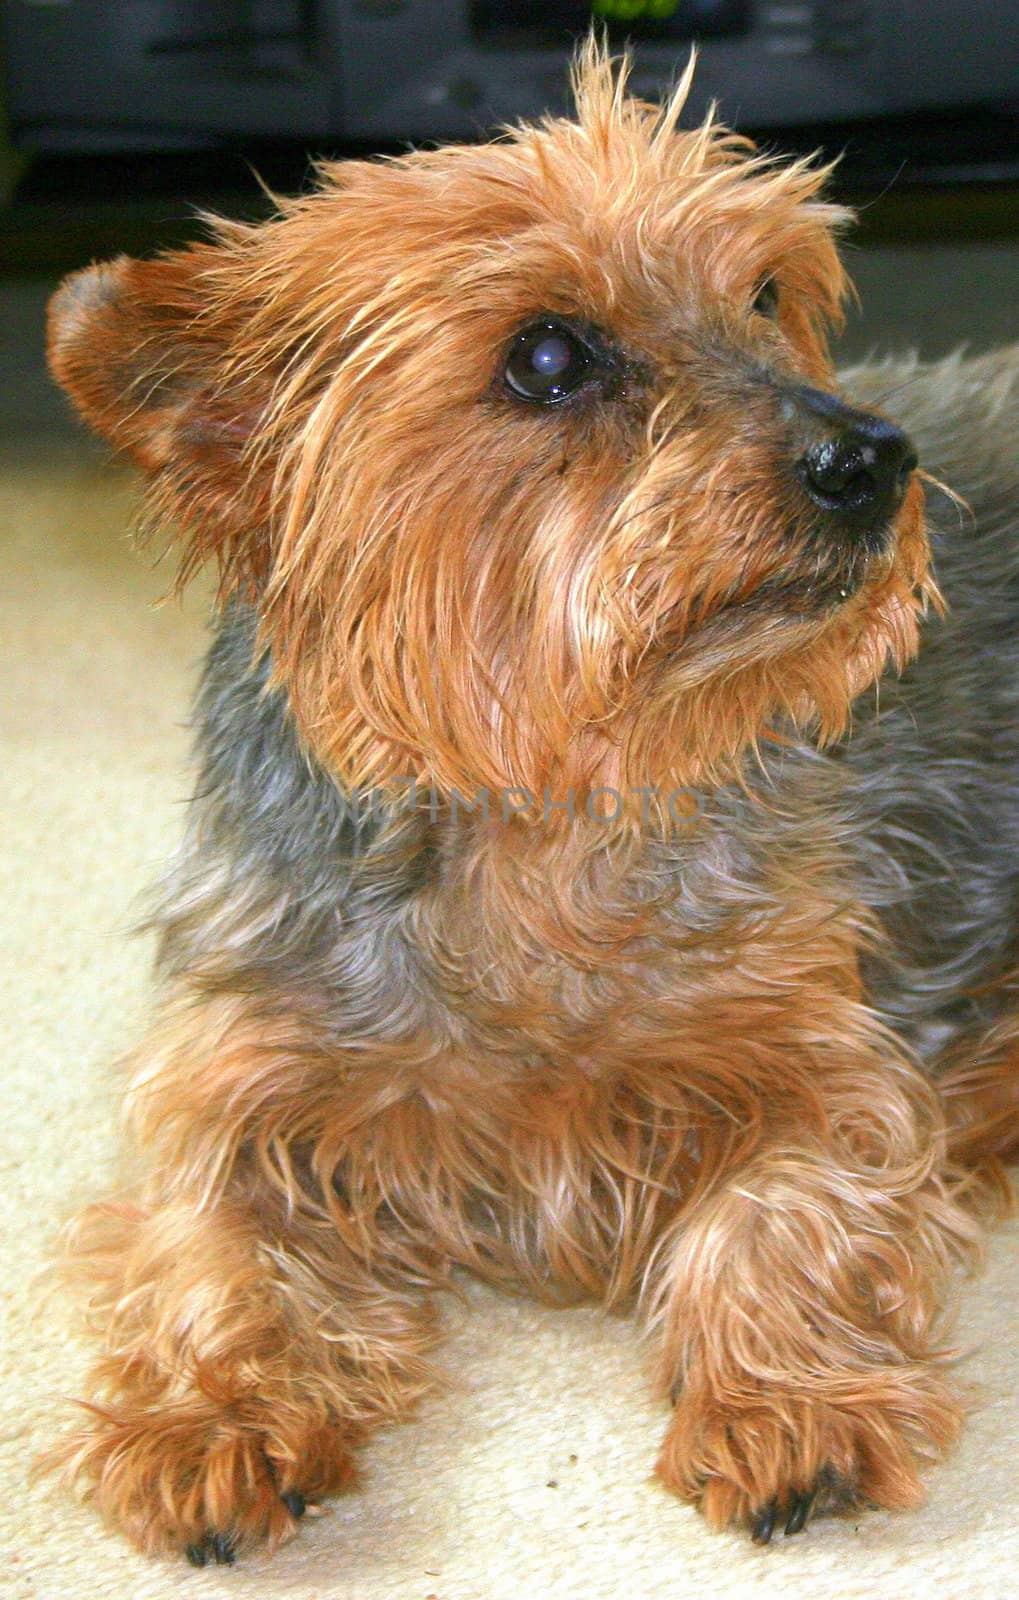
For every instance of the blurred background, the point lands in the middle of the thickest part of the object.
(122, 119)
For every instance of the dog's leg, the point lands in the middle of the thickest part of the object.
(253, 1325)
(798, 1297)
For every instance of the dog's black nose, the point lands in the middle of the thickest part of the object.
(858, 465)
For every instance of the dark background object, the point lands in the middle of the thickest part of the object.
(127, 116)
(187, 74)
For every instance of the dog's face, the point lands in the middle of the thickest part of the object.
(528, 452)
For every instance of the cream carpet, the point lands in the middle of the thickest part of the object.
(531, 1475)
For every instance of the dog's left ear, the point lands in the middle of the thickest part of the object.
(142, 349)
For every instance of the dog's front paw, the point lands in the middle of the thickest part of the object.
(205, 1486)
(768, 1463)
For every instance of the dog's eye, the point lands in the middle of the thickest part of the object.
(766, 298)
(546, 362)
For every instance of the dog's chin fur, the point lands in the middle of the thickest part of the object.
(688, 1062)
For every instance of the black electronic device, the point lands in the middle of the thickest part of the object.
(93, 75)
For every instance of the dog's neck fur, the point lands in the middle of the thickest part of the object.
(282, 874)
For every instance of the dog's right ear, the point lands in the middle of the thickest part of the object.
(142, 348)
(136, 345)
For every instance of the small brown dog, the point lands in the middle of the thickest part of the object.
(527, 479)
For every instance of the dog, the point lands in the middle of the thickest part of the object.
(585, 886)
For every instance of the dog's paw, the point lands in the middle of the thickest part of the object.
(206, 1488)
(221, 1548)
(768, 1464)
(726, 1503)
(790, 1514)
(214, 1547)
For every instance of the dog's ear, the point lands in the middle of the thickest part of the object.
(143, 348)
(133, 345)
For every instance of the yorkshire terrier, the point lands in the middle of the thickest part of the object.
(540, 913)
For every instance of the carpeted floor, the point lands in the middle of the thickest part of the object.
(532, 1474)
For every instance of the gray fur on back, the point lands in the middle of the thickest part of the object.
(933, 761)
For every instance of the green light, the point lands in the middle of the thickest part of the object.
(634, 10)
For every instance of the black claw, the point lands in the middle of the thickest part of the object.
(222, 1548)
(294, 1502)
(196, 1555)
(763, 1525)
(799, 1511)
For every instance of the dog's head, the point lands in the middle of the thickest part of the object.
(528, 453)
